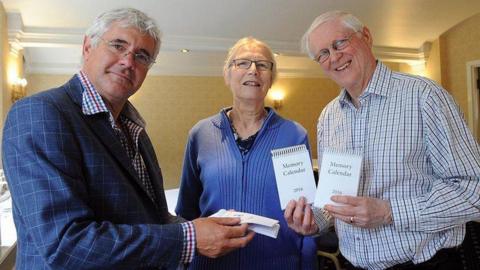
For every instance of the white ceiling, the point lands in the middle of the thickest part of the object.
(51, 31)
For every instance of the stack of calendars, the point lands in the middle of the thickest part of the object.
(339, 175)
(258, 224)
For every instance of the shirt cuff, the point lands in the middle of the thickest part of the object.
(323, 219)
(405, 214)
(189, 242)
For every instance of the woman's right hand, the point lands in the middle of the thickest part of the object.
(299, 217)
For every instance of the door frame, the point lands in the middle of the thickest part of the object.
(473, 98)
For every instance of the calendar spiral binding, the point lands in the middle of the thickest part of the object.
(288, 150)
(341, 153)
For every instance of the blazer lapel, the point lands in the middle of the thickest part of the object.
(100, 126)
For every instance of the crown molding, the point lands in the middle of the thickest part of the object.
(403, 55)
(21, 37)
(52, 68)
(15, 32)
(214, 44)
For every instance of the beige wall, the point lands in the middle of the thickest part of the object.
(304, 100)
(4, 49)
(11, 67)
(171, 105)
(3, 62)
(393, 66)
(3, 69)
(433, 66)
(40, 82)
(458, 46)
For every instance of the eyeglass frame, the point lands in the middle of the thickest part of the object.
(234, 63)
(124, 52)
(344, 43)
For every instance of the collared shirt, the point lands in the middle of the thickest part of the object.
(133, 124)
(418, 154)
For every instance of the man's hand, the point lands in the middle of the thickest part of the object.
(363, 212)
(217, 236)
(299, 217)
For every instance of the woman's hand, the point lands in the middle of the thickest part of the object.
(299, 217)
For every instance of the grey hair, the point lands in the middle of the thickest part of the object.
(127, 17)
(346, 18)
(248, 41)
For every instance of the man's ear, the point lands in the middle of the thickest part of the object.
(87, 47)
(368, 36)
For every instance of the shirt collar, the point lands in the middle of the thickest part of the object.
(92, 102)
(378, 84)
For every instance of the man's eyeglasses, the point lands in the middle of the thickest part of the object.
(262, 65)
(120, 48)
(337, 45)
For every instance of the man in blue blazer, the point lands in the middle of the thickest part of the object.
(86, 185)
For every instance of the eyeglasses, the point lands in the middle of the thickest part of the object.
(337, 45)
(262, 65)
(120, 48)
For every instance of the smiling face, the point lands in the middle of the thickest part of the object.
(116, 77)
(353, 66)
(252, 84)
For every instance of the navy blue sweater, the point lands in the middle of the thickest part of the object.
(216, 175)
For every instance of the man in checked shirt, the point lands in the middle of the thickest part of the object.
(420, 175)
(86, 185)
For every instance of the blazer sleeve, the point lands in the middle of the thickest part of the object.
(42, 159)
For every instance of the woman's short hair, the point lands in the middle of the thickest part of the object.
(348, 19)
(249, 41)
(127, 17)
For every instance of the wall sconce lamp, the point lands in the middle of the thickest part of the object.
(18, 89)
(277, 97)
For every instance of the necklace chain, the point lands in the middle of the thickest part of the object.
(237, 136)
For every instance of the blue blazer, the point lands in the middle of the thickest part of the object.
(77, 200)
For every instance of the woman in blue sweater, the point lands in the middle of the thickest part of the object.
(228, 164)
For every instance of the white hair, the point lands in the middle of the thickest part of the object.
(127, 17)
(348, 19)
(249, 41)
